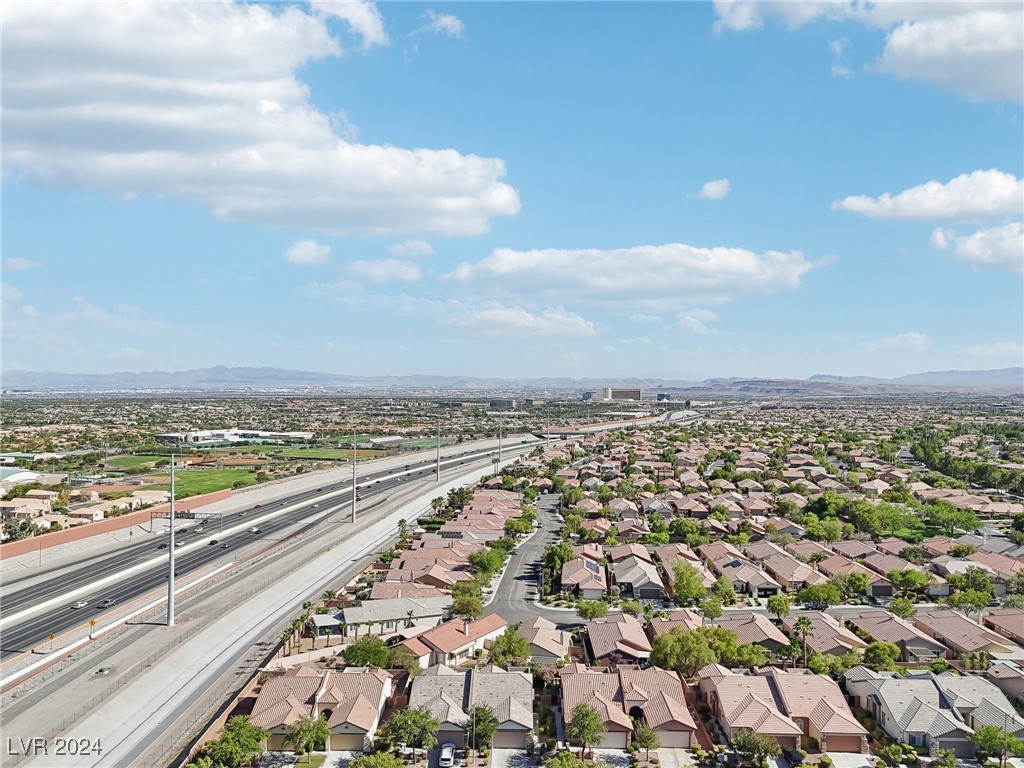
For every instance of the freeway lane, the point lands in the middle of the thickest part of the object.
(32, 631)
(92, 569)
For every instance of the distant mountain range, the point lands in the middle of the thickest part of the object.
(224, 379)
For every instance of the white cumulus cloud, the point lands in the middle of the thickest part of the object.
(308, 252)
(715, 189)
(697, 321)
(386, 271)
(9, 293)
(1011, 350)
(411, 248)
(499, 320)
(643, 279)
(18, 264)
(971, 47)
(443, 24)
(1001, 247)
(977, 195)
(363, 17)
(203, 102)
(904, 342)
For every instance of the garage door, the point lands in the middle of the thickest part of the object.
(614, 740)
(509, 739)
(844, 744)
(674, 738)
(456, 737)
(276, 743)
(347, 741)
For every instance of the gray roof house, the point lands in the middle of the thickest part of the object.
(639, 579)
(451, 694)
(383, 617)
(925, 709)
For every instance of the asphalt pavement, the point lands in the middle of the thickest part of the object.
(523, 572)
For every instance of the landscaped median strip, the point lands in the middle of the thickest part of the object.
(11, 676)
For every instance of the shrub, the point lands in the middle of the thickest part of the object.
(825, 761)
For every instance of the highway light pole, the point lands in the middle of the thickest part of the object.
(353, 474)
(501, 423)
(170, 570)
(437, 470)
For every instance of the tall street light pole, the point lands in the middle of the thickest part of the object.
(437, 470)
(501, 423)
(170, 571)
(353, 474)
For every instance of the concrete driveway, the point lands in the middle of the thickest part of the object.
(616, 758)
(851, 760)
(671, 757)
(509, 758)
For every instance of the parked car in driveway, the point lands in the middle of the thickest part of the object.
(447, 758)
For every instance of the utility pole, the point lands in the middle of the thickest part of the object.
(437, 471)
(353, 473)
(170, 573)
(501, 423)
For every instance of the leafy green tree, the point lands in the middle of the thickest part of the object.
(558, 555)
(993, 741)
(367, 651)
(467, 607)
(682, 651)
(402, 657)
(969, 601)
(779, 605)
(687, 585)
(903, 608)
(850, 584)
(306, 733)
(711, 608)
(414, 726)
(944, 515)
(509, 648)
(377, 760)
(753, 747)
(645, 738)
(586, 727)
(486, 561)
(724, 591)
(973, 579)
(563, 759)
(632, 607)
(820, 596)
(240, 743)
(480, 727)
(589, 610)
(961, 550)
(909, 581)
(881, 656)
(751, 656)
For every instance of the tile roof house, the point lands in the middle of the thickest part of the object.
(1009, 622)
(961, 635)
(878, 586)
(455, 641)
(829, 635)
(655, 694)
(617, 638)
(784, 705)
(1008, 677)
(886, 627)
(925, 710)
(451, 694)
(393, 614)
(548, 643)
(622, 551)
(684, 618)
(792, 574)
(754, 628)
(584, 577)
(638, 578)
(351, 700)
(854, 549)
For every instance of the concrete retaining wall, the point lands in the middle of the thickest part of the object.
(46, 540)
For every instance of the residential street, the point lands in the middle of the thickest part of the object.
(510, 596)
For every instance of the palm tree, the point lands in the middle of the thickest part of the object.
(328, 631)
(408, 618)
(329, 595)
(804, 628)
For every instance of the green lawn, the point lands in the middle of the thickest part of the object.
(192, 482)
(297, 452)
(132, 463)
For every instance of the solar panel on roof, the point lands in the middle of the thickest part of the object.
(591, 566)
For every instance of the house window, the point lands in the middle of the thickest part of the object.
(914, 740)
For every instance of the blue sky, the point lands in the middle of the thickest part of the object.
(676, 190)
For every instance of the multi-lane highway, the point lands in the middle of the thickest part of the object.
(25, 628)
